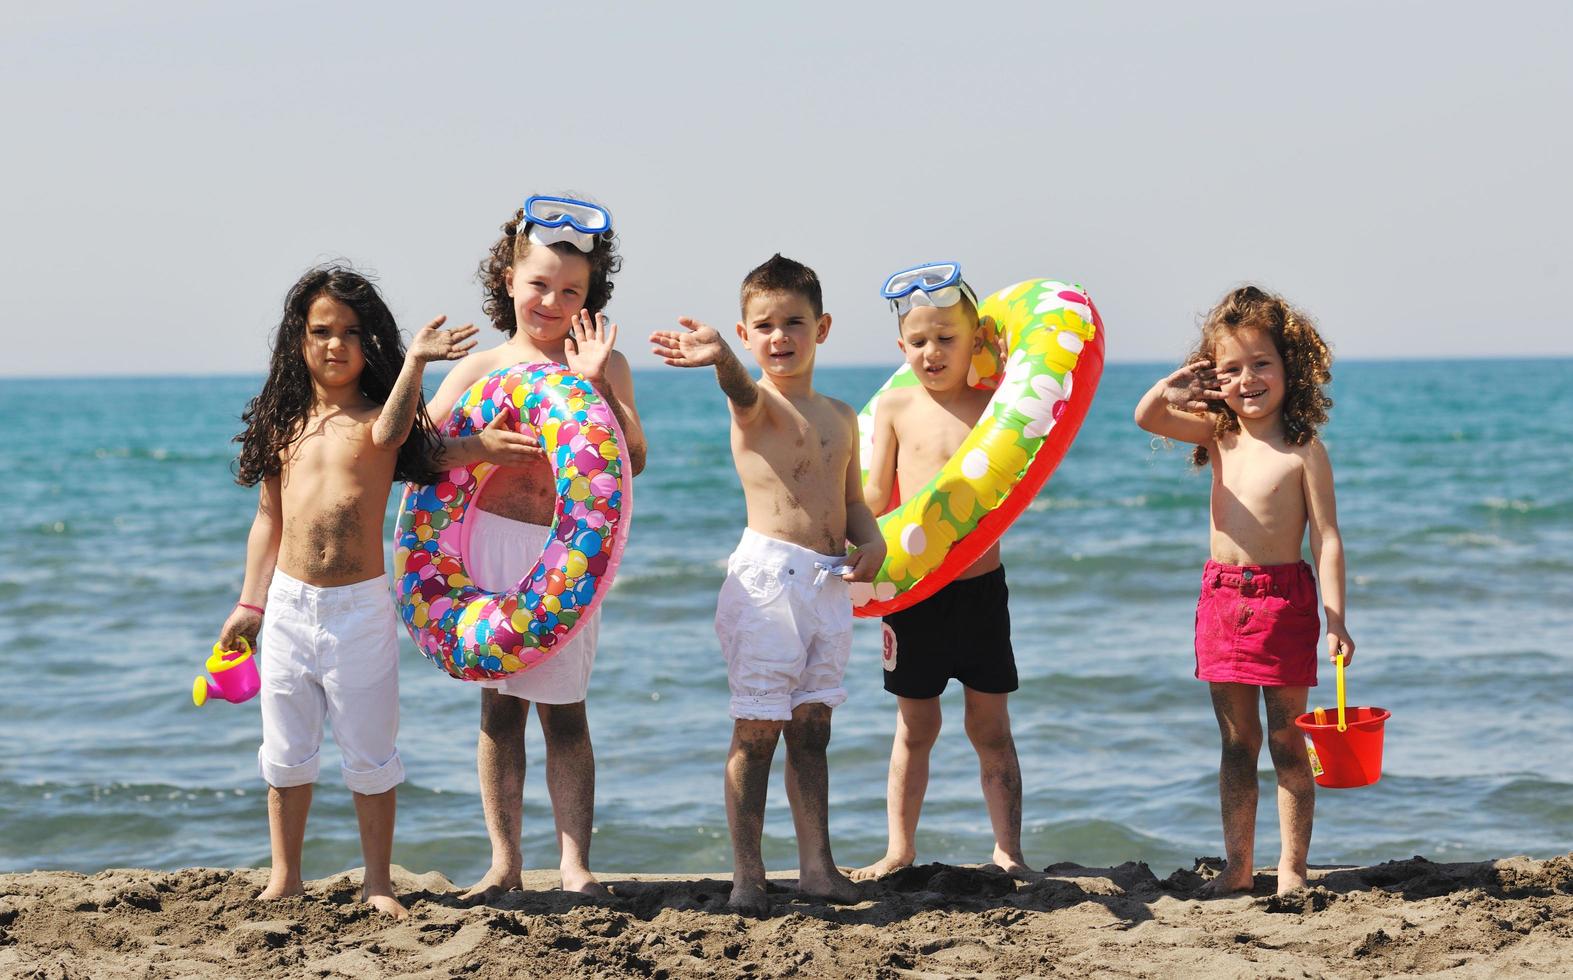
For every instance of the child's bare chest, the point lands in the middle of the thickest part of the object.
(797, 447)
(334, 463)
(328, 448)
(1262, 484)
(334, 487)
(809, 446)
(927, 440)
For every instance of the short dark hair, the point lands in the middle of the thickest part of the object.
(779, 274)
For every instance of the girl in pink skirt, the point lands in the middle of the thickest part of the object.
(1251, 397)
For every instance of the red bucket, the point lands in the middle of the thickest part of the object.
(1349, 758)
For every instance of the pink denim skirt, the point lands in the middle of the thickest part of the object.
(1258, 624)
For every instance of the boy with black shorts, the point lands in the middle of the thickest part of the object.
(963, 630)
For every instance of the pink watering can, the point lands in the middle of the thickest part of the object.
(234, 676)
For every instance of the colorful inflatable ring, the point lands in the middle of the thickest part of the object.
(478, 635)
(1054, 358)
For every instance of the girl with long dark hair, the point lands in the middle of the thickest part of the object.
(339, 418)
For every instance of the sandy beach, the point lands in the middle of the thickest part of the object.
(1510, 917)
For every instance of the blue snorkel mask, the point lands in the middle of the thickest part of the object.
(563, 219)
(935, 284)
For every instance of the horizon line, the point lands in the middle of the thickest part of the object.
(1382, 359)
(1379, 359)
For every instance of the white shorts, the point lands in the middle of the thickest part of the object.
(330, 653)
(785, 625)
(502, 551)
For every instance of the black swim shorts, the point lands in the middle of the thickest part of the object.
(961, 631)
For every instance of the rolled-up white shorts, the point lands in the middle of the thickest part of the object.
(502, 551)
(784, 620)
(330, 653)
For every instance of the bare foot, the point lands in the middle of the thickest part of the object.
(1228, 882)
(582, 882)
(879, 869)
(385, 903)
(1015, 866)
(281, 889)
(1290, 878)
(830, 885)
(496, 881)
(750, 900)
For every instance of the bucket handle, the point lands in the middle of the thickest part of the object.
(1339, 660)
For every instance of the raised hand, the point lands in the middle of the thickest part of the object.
(696, 345)
(501, 445)
(1192, 387)
(589, 343)
(432, 344)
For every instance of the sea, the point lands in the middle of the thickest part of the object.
(123, 545)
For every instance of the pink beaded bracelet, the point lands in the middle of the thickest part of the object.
(256, 609)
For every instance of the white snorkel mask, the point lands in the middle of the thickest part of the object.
(563, 219)
(936, 284)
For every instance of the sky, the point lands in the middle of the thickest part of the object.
(1395, 168)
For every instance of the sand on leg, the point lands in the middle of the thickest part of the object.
(999, 770)
(747, 780)
(1240, 728)
(808, 792)
(570, 781)
(1296, 786)
(918, 722)
(375, 814)
(287, 810)
(499, 761)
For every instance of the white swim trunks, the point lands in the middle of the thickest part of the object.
(785, 624)
(330, 653)
(502, 551)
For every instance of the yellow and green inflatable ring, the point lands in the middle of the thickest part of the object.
(1053, 346)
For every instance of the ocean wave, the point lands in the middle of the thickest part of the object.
(1140, 501)
(1550, 801)
(158, 454)
(648, 581)
(1514, 511)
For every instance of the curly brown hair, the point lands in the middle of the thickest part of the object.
(515, 244)
(275, 418)
(1307, 361)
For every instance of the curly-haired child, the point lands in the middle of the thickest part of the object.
(338, 419)
(1251, 397)
(546, 280)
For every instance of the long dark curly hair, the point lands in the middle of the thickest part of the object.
(1307, 361)
(274, 419)
(515, 244)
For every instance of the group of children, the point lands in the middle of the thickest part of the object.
(340, 417)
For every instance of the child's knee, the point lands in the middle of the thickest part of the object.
(919, 733)
(756, 740)
(1288, 750)
(501, 714)
(989, 733)
(1242, 745)
(564, 724)
(809, 729)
